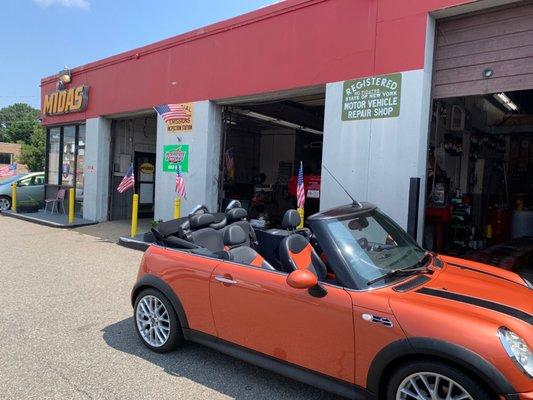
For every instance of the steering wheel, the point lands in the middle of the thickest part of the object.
(199, 209)
(363, 242)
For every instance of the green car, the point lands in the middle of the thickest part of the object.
(30, 191)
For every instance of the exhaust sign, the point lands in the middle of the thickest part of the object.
(372, 97)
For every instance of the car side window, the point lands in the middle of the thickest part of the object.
(39, 180)
(25, 182)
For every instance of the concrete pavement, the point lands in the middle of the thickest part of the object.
(66, 329)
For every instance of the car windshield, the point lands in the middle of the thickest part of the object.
(10, 179)
(373, 245)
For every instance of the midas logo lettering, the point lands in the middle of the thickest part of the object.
(66, 101)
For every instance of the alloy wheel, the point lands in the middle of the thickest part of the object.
(153, 321)
(431, 386)
(5, 204)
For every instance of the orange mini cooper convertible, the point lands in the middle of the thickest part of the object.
(350, 304)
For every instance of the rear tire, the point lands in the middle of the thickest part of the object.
(5, 203)
(423, 379)
(156, 322)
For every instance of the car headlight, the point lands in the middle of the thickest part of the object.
(518, 350)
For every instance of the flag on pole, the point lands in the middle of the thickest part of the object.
(170, 112)
(229, 158)
(128, 181)
(300, 189)
(180, 184)
(8, 170)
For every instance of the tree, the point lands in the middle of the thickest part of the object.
(17, 123)
(32, 153)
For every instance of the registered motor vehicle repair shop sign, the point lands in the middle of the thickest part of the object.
(372, 97)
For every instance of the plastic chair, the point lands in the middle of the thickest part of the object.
(56, 201)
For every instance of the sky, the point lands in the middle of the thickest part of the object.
(39, 37)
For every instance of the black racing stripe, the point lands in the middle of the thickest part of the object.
(484, 272)
(513, 312)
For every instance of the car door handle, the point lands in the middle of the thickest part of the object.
(225, 280)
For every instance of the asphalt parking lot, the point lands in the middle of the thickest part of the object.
(66, 329)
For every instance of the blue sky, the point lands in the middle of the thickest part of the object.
(39, 37)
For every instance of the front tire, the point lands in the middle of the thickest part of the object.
(5, 203)
(429, 380)
(156, 322)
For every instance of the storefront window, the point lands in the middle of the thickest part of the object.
(80, 162)
(53, 155)
(69, 156)
(65, 161)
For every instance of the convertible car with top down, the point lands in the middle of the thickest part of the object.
(350, 304)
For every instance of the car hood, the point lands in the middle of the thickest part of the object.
(480, 285)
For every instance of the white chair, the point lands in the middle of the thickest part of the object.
(56, 202)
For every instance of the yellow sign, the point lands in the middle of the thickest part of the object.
(182, 122)
(147, 168)
(66, 101)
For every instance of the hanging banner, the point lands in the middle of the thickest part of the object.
(178, 117)
(372, 97)
(174, 155)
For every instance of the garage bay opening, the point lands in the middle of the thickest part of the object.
(479, 199)
(264, 144)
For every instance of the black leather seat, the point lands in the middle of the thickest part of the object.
(270, 240)
(203, 235)
(295, 251)
(235, 239)
(238, 217)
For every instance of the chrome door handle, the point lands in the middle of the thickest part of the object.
(227, 281)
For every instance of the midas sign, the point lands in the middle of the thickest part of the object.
(66, 101)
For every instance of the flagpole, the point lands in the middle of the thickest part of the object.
(301, 211)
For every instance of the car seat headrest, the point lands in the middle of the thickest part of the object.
(291, 219)
(198, 221)
(234, 235)
(236, 214)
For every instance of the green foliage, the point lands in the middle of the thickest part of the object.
(32, 153)
(18, 122)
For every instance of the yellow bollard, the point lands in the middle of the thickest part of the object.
(14, 197)
(301, 213)
(71, 199)
(177, 207)
(134, 212)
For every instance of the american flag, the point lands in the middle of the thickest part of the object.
(128, 181)
(300, 190)
(180, 184)
(8, 170)
(230, 163)
(171, 112)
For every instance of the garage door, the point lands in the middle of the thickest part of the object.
(498, 41)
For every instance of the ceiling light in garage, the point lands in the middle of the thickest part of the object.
(277, 121)
(506, 101)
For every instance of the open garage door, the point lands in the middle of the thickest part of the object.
(485, 52)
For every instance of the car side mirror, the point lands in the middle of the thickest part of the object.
(302, 279)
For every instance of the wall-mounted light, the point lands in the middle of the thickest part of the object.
(487, 73)
(64, 78)
(505, 101)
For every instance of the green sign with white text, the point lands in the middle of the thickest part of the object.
(174, 155)
(372, 97)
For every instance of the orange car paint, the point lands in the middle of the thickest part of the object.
(188, 275)
(316, 334)
(329, 334)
